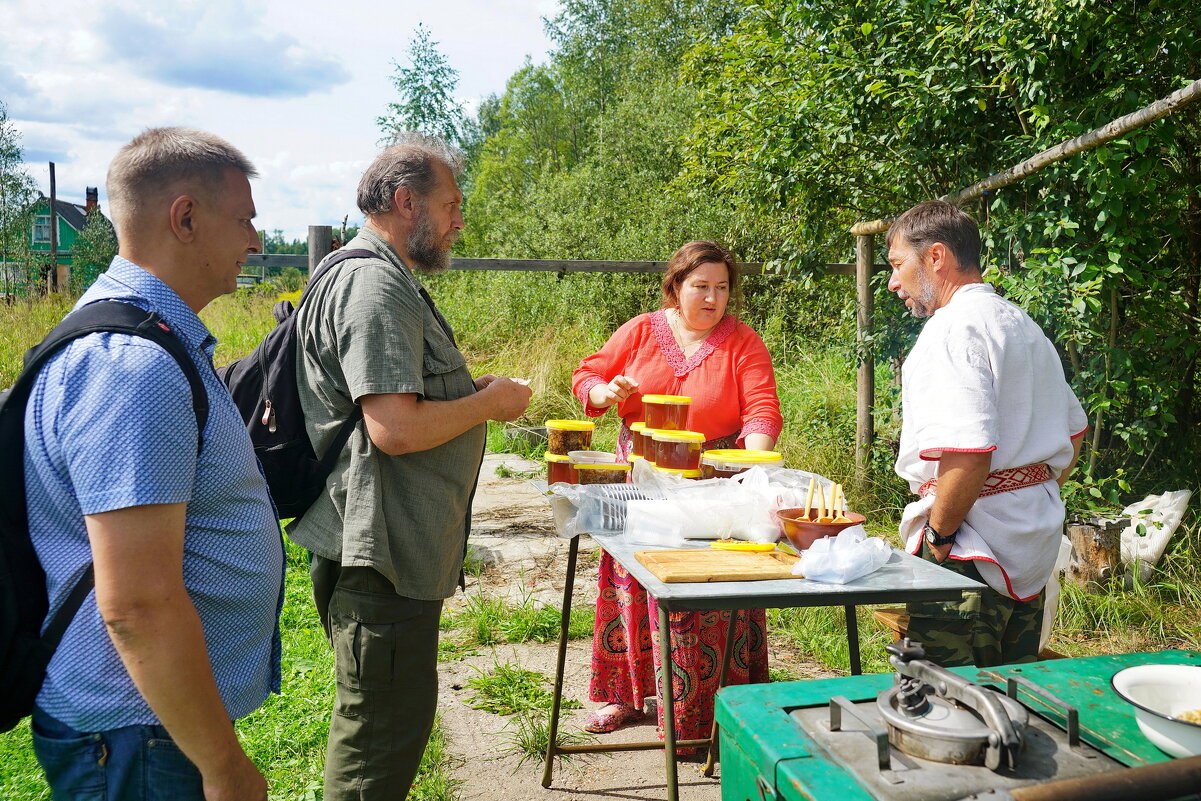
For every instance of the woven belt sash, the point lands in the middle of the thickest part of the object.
(1006, 480)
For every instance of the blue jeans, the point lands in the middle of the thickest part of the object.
(134, 763)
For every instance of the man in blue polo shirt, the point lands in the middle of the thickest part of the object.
(180, 636)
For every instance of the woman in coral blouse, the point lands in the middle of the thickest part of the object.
(692, 347)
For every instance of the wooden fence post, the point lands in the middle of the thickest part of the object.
(319, 244)
(865, 400)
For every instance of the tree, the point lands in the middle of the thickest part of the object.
(17, 192)
(821, 113)
(93, 251)
(427, 103)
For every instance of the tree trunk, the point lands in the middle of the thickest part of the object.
(1096, 553)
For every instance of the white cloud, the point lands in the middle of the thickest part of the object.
(296, 84)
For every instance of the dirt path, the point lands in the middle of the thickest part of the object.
(512, 531)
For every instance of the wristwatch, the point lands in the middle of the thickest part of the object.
(932, 537)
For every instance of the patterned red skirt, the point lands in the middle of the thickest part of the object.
(625, 651)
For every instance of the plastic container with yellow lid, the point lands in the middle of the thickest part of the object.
(666, 412)
(729, 462)
(559, 469)
(689, 474)
(678, 450)
(601, 473)
(637, 443)
(564, 436)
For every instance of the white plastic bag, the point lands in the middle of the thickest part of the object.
(843, 558)
(741, 508)
(1152, 521)
(1051, 603)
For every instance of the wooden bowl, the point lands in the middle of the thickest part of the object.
(802, 534)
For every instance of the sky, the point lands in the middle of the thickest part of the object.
(295, 84)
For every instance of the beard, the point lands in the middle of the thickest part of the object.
(429, 252)
(923, 301)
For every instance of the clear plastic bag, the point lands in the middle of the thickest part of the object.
(593, 508)
(843, 558)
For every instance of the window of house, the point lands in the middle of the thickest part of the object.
(41, 228)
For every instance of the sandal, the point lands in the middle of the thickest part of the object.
(602, 722)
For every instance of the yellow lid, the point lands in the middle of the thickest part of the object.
(671, 400)
(680, 473)
(637, 426)
(571, 425)
(633, 457)
(556, 457)
(601, 466)
(678, 436)
(741, 456)
(742, 545)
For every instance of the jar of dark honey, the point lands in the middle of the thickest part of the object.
(558, 469)
(678, 450)
(666, 412)
(599, 473)
(564, 436)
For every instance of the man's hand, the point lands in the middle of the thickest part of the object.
(941, 552)
(602, 396)
(507, 398)
(240, 782)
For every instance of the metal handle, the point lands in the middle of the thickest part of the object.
(840, 704)
(1070, 715)
(765, 789)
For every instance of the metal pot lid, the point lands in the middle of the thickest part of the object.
(946, 720)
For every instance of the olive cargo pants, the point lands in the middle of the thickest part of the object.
(386, 658)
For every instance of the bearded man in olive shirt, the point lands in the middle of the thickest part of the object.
(389, 534)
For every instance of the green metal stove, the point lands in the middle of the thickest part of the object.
(1033, 732)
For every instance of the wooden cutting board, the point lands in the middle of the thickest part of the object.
(711, 564)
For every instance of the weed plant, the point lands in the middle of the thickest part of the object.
(528, 736)
(508, 689)
(489, 620)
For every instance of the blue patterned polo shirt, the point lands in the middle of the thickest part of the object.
(109, 426)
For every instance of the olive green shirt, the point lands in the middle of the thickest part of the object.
(366, 330)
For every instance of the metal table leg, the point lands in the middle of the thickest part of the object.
(564, 623)
(726, 653)
(669, 704)
(853, 640)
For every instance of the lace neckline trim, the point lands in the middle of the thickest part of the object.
(681, 365)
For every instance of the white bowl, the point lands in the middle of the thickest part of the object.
(1158, 694)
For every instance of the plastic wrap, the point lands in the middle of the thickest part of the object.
(843, 558)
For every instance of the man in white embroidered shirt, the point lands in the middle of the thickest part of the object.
(990, 431)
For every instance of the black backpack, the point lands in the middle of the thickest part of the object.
(25, 651)
(263, 386)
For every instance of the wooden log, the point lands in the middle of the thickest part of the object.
(320, 241)
(865, 395)
(1098, 136)
(1096, 553)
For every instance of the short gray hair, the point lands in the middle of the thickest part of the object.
(409, 162)
(160, 158)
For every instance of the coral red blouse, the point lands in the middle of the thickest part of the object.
(729, 377)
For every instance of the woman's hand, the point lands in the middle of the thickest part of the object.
(602, 396)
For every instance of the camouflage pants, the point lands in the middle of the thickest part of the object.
(984, 629)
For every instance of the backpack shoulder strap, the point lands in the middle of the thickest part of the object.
(333, 259)
(103, 316)
(113, 316)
